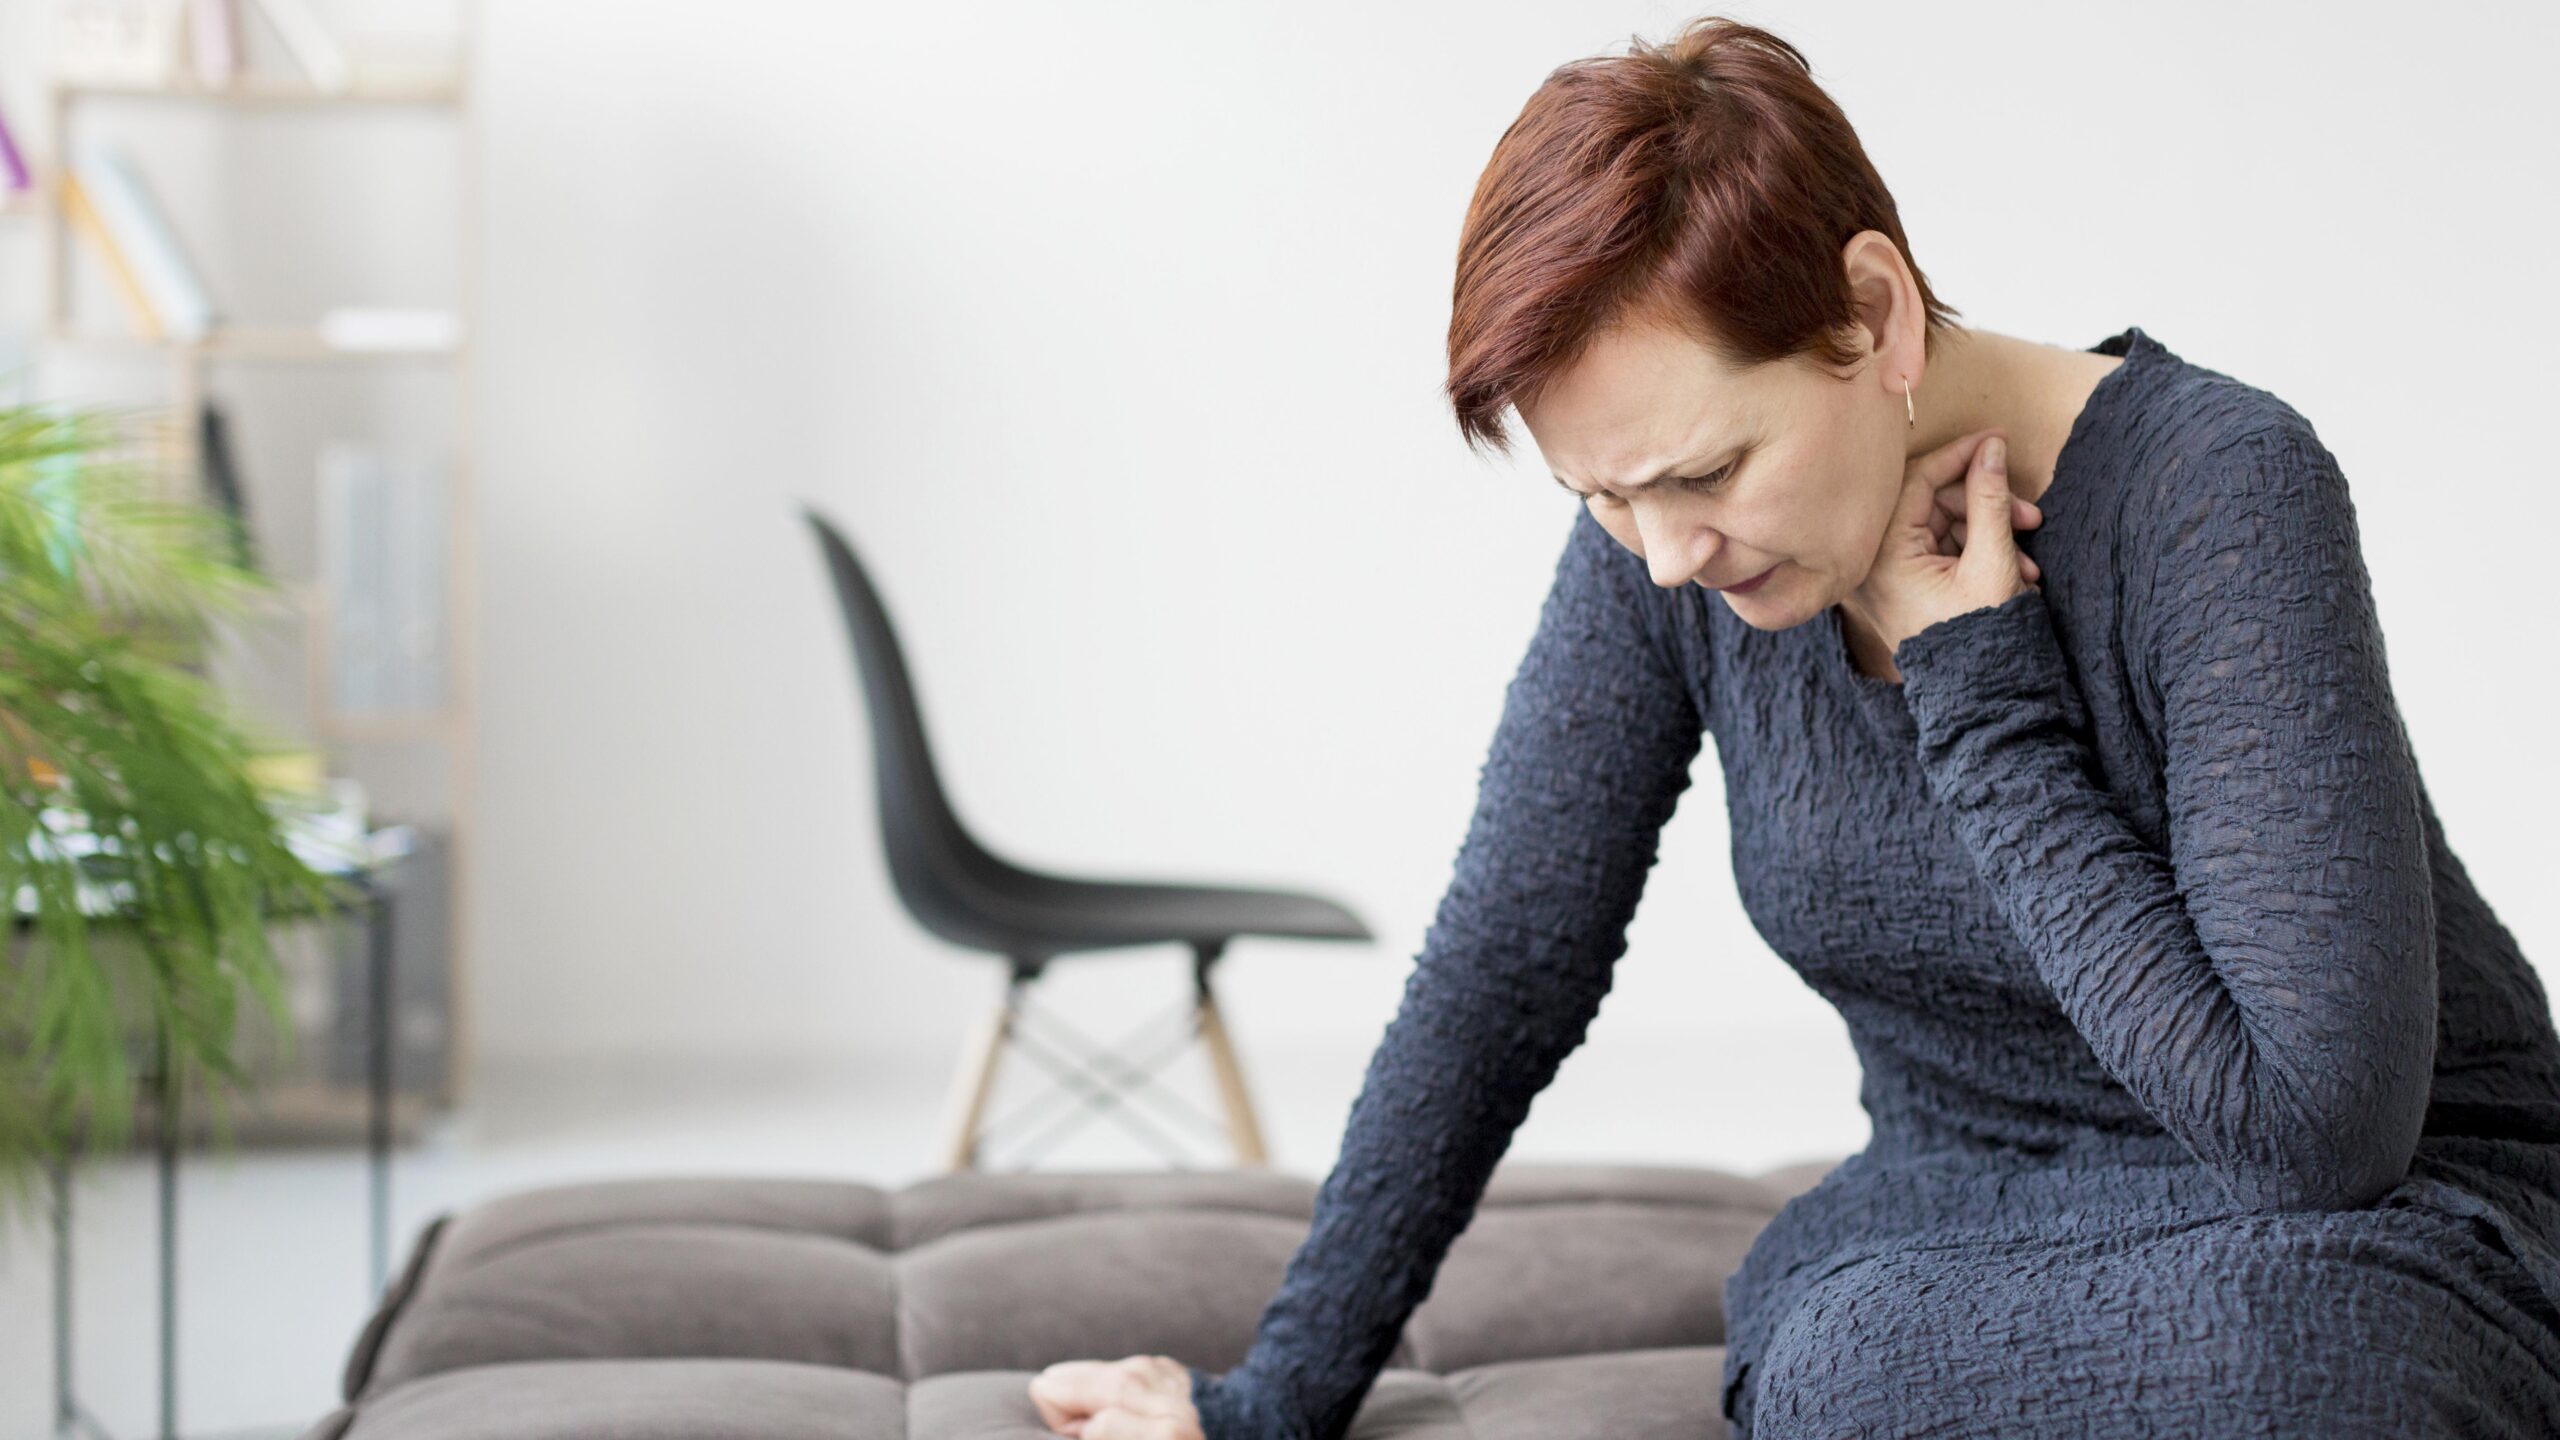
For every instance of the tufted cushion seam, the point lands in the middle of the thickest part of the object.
(1458, 1407)
(520, 1243)
(915, 1235)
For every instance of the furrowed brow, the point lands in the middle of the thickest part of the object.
(1726, 451)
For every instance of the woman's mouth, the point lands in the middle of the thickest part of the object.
(1754, 583)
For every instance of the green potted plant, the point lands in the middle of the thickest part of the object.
(140, 858)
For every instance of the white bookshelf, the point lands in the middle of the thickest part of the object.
(189, 370)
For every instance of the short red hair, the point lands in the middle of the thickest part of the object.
(1707, 183)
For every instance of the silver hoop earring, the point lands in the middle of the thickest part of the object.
(1906, 403)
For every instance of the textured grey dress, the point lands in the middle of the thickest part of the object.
(2208, 1095)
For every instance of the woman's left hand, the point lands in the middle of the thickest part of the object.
(1934, 567)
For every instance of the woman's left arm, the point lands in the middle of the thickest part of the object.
(2267, 989)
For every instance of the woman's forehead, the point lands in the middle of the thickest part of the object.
(1650, 420)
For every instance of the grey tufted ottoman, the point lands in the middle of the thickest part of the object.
(1581, 1300)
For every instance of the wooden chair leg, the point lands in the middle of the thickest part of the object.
(1242, 1128)
(975, 1081)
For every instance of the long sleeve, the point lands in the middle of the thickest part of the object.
(2267, 989)
(1592, 751)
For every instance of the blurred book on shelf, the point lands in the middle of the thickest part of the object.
(135, 238)
(309, 42)
(91, 227)
(15, 178)
(383, 543)
(117, 42)
(213, 35)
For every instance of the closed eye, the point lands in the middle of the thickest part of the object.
(1712, 482)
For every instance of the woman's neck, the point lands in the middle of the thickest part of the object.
(1980, 379)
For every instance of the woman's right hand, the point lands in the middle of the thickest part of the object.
(1141, 1397)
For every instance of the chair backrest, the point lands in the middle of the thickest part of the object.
(940, 871)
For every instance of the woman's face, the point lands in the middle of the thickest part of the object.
(1781, 468)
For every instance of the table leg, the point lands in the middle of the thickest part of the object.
(378, 1131)
(168, 1245)
(63, 1405)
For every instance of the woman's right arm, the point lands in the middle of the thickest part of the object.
(1590, 757)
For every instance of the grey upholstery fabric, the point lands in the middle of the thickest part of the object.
(1580, 1300)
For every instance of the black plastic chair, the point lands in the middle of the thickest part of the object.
(958, 890)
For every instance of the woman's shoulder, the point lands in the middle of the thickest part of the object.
(2188, 416)
(2231, 508)
(2198, 451)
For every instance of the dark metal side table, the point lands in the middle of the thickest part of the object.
(70, 1416)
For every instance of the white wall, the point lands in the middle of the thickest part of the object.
(1114, 332)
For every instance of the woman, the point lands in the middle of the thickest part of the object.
(2208, 1096)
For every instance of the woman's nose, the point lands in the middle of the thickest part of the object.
(1677, 551)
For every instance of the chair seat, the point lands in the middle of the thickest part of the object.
(778, 1307)
(1099, 914)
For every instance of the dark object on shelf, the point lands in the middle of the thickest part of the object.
(955, 888)
(222, 480)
